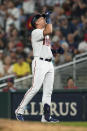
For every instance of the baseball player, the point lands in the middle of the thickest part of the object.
(42, 67)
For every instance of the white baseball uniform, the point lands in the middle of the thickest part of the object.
(42, 70)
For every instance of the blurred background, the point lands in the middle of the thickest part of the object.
(68, 40)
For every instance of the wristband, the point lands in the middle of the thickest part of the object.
(48, 20)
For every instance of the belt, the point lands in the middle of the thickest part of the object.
(49, 60)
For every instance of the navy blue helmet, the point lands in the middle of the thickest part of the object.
(35, 18)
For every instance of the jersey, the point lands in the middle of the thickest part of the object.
(41, 44)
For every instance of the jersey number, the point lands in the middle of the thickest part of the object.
(46, 41)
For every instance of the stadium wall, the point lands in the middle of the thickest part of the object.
(67, 105)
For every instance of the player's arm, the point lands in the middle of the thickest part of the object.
(48, 27)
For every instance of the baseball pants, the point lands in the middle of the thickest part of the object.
(43, 73)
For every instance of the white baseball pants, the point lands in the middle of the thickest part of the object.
(43, 73)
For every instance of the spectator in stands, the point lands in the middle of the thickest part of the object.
(2, 16)
(83, 45)
(76, 21)
(79, 7)
(10, 86)
(67, 7)
(2, 40)
(9, 22)
(15, 36)
(70, 84)
(67, 27)
(22, 17)
(13, 56)
(61, 54)
(1, 70)
(10, 46)
(59, 34)
(9, 33)
(28, 6)
(14, 14)
(57, 12)
(83, 28)
(8, 69)
(30, 58)
(20, 50)
(21, 68)
(73, 45)
(51, 2)
(1, 56)
(66, 57)
(62, 40)
(1, 64)
(44, 9)
(84, 17)
(22, 20)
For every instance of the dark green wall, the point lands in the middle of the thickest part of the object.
(4, 105)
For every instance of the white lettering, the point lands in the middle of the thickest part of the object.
(73, 108)
(61, 108)
(26, 112)
(41, 109)
(33, 109)
(53, 109)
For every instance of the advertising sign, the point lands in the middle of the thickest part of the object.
(65, 106)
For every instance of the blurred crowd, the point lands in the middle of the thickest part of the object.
(69, 37)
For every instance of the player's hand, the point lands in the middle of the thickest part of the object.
(47, 14)
(48, 19)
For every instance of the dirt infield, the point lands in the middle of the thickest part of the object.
(10, 125)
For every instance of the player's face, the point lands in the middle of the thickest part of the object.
(41, 21)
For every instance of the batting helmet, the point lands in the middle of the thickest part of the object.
(35, 18)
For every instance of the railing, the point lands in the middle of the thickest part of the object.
(74, 60)
(15, 81)
(77, 59)
(76, 68)
(83, 57)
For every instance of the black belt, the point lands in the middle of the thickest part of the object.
(49, 60)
